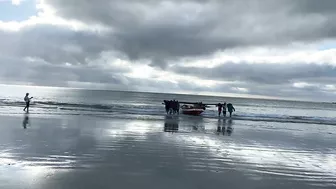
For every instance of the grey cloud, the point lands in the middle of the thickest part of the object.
(166, 31)
(145, 30)
(269, 79)
(41, 73)
(312, 6)
(87, 77)
(263, 73)
(49, 43)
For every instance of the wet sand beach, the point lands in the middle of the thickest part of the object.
(40, 151)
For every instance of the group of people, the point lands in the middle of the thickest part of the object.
(223, 107)
(172, 106)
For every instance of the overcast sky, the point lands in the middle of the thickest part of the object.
(273, 48)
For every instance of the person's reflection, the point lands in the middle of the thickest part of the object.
(25, 121)
(223, 126)
(230, 128)
(219, 126)
(171, 124)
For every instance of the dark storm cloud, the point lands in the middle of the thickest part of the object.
(312, 6)
(263, 73)
(42, 73)
(51, 44)
(166, 30)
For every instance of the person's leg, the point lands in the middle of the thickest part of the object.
(27, 107)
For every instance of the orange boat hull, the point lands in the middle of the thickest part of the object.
(192, 111)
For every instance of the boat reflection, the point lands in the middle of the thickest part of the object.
(197, 124)
(171, 124)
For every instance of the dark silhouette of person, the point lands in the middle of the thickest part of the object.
(27, 100)
(166, 106)
(177, 107)
(219, 105)
(170, 104)
(174, 106)
(224, 109)
(230, 108)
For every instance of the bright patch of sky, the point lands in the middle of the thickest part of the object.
(328, 45)
(17, 10)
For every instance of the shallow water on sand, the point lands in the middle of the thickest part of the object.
(111, 103)
(171, 152)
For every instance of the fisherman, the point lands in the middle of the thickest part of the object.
(224, 109)
(219, 105)
(178, 107)
(174, 106)
(170, 105)
(166, 106)
(27, 100)
(230, 108)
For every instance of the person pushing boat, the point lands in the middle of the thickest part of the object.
(230, 108)
(219, 105)
(224, 109)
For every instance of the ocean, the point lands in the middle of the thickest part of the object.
(62, 101)
(75, 138)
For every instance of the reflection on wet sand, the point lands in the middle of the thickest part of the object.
(221, 127)
(197, 123)
(84, 152)
(229, 128)
(25, 120)
(171, 123)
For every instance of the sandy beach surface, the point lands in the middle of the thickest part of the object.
(62, 151)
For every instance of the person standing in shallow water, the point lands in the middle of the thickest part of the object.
(224, 109)
(230, 108)
(219, 105)
(27, 100)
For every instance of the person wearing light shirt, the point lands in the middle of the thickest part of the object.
(27, 100)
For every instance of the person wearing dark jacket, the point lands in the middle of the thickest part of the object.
(230, 108)
(224, 109)
(219, 105)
